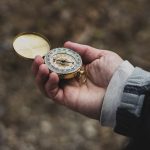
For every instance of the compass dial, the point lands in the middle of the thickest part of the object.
(63, 61)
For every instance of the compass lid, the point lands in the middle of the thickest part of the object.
(29, 45)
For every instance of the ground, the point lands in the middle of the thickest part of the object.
(28, 120)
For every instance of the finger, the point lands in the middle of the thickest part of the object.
(52, 88)
(87, 53)
(42, 77)
(36, 63)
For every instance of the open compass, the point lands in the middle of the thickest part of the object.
(63, 61)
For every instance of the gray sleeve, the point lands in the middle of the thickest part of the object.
(134, 90)
(129, 111)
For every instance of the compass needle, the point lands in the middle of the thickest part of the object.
(65, 62)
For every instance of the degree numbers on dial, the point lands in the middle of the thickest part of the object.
(63, 60)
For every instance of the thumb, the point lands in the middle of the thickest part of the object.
(87, 53)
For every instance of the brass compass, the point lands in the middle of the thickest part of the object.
(63, 61)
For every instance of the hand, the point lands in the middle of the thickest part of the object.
(86, 98)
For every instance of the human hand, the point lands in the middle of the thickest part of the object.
(86, 98)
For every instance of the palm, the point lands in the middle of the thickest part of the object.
(85, 98)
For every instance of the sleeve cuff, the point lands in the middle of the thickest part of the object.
(113, 94)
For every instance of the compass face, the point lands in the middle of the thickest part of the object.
(63, 60)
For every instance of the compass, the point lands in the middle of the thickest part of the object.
(63, 61)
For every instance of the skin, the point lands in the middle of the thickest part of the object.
(84, 98)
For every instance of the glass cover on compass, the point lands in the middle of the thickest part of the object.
(63, 60)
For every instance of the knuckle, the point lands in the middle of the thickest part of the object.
(42, 67)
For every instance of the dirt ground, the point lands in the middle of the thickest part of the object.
(28, 120)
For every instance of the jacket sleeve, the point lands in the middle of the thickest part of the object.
(129, 114)
(124, 101)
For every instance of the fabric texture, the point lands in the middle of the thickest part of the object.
(128, 115)
(133, 113)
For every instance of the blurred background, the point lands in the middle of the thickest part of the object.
(28, 120)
